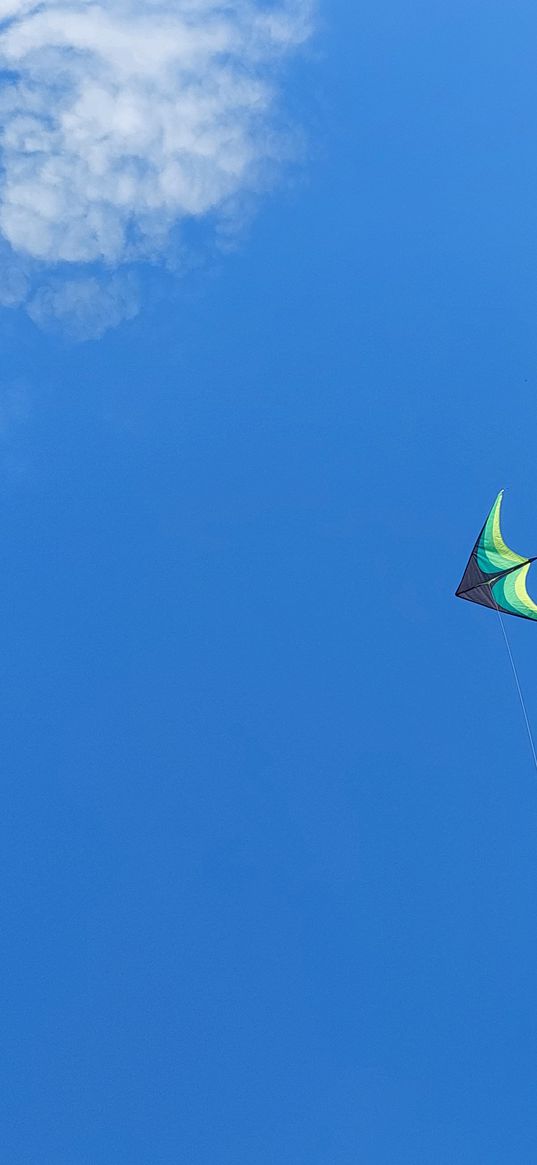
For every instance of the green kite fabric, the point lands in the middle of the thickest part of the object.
(495, 576)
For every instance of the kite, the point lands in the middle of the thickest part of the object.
(495, 576)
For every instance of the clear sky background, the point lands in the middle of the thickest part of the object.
(269, 819)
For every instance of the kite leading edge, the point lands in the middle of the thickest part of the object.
(495, 576)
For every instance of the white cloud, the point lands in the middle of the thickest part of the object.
(124, 118)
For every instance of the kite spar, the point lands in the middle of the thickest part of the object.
(496, 577)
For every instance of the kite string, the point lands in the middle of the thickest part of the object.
(518, 688)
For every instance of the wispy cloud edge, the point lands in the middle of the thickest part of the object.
(122, 121)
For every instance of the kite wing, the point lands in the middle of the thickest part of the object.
(495, 576)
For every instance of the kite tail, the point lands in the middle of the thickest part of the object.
(518, 688)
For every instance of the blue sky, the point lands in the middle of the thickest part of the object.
(269, 828)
